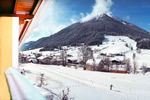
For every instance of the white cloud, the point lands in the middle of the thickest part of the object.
(76, 18)
(40, 32)
(73, 20)
(127, 18)
(51, 22)
(100, 7)
(82, 15)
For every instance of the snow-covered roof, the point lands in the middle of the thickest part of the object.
(72, 58)
(92, 62)
(117, 58)
(41, 57)
(31, 56)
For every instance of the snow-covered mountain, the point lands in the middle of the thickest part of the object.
(92, 33)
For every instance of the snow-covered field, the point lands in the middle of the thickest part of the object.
(88, 85)
(92, 85)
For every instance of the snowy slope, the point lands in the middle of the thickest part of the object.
(31, 51)
(116, 44)
(88, 85)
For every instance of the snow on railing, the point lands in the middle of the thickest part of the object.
(20, 87)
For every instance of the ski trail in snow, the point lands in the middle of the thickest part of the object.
(100, 87)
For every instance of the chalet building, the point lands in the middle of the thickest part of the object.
(91, 64)
(111, 55)
(49, 60)
(116, 65)
(116, 62)
(103, 54)
(44, 60)
(71, 61)
(56, 62)
(118, 69)
(31, 59)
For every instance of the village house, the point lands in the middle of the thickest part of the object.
(56, 61)
(114, 64)
(118, 69)
(51, 60)
(118, 65)
(32, 58)
(44, 60)
(91, 64)
(117, 60)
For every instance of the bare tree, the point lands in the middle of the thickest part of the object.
(127, 65)
(104, 65)
(144, 69)
(85, 54)
(64, 57)
(138, 50)
(126, 45)
(94, 64)
(135, 66)
(41, 80)
(134, 55)
(131, 48)
(65, 95)
(107, 63)
(22, 58)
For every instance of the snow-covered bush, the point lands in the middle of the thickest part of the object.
(49, 97)
(138, 50)
(85, 53)
(144, 69)
(22, 71)
(135, 66)
(134, 55)
(127, 65)
(41, 80)
(65, 95)
(64, 57)
(104, 65)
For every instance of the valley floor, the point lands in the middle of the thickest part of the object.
(88, 85)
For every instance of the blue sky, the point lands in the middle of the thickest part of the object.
(62, 13)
